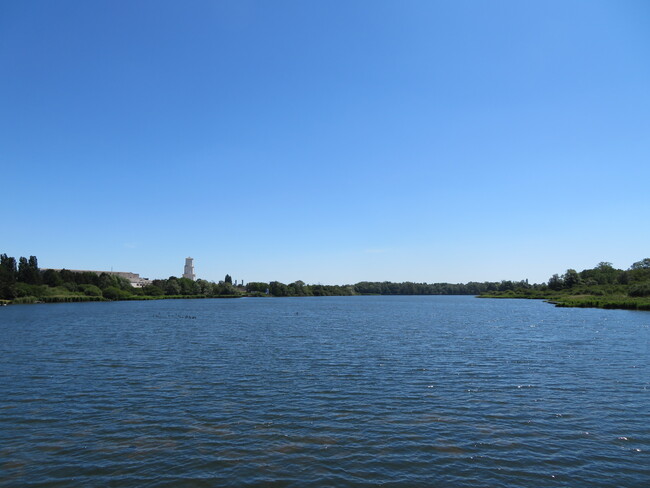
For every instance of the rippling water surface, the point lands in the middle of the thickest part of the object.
(332, 391)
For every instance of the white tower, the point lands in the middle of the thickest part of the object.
(189, 269)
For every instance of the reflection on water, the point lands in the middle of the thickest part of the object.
(332, 391)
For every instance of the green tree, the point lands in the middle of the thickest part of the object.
(639, 271)
(640, 290)
(153, 290)
(52, 278)
(91, 290)
(256, 286)
(87, 278)
(226, 289)
(228, 279)
(172, 286)
(114, 293)
(23, 267)
(571, 278)
(105, 280)
(204, 287)
(8, 272)
(555, 282)
(8, 269)
(278, 289)
(643, 264)
(28, 271)
(606, 273)
(68, 277)
(298, 288)
(408, 288)
(188, 287)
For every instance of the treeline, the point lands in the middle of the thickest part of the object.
(297, 289)
(408, 288)
(635, 281)
(602, 286)
(300, 289)
(23, 281)
(173, 286)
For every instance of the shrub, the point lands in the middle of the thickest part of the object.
(8, 291)
(114, 293)
(640, 290)
(91, 290)
(70, 286)
(153, 290)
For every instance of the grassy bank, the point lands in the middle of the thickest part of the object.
(29, 300)
(606, 301)
(609, 302)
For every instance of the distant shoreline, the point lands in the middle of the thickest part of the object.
(23, 282)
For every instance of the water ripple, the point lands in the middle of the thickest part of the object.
(337, 391)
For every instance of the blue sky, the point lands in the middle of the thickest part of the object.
(328, 141)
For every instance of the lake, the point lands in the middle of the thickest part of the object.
(404, 391)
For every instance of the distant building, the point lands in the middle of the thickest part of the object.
(133, 278)
(189, 269)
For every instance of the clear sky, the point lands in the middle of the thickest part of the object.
(327, 141)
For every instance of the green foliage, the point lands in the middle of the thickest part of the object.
(409, 288)
(153, 290)
(571, 278)
(603, 274)
(26, 282)
(52, 278)
(106, 281)
(555, 282)
(638, 273)
(226, 289)
(8, 273)
(278, 289)
(298, 289)
(204, 287)
(91, 290)
(643, 264)
(28, 271)
(603, 286)
(25, 290)
(608, 302)
(258, 287)
(70, 299)
(172, 287)
(257, 294)
(115, 293)
(8, 291)
(24, 300)
(73, 287)
(188, 287)
(640, 290)
(8, 269)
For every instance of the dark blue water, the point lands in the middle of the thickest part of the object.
(336, 391)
